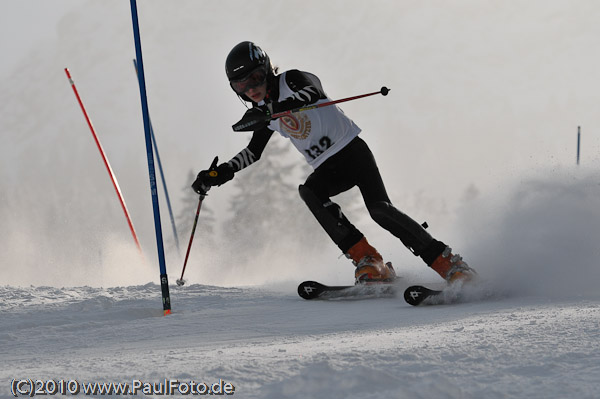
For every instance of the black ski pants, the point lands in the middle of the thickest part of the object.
(353, 166)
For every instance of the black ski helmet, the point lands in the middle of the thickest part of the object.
(244, 58)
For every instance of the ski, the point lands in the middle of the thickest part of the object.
(417, 294)
(454, 293)
(314, 290)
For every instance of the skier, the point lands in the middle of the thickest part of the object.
(329, 141)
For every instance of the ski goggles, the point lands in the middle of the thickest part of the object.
(254, 79)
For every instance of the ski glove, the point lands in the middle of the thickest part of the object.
(254, 119)
(215, 176)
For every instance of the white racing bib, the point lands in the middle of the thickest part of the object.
(318, 133)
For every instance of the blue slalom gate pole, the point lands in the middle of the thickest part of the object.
(162, 175)
(164, 281)
(578, 142)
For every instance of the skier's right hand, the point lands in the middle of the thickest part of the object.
(215, 176)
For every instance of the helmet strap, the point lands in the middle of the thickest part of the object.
(244, 100)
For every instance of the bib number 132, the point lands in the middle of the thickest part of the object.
(316, 150)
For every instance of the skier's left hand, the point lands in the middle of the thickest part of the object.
(214, 176)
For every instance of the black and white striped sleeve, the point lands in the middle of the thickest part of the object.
(306, 95)
(242, 160)
(253, 151)
(307, 90)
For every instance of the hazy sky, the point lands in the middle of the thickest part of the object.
(484, 94)
(24, 25)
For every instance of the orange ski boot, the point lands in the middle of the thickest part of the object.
(452, 268)
(369, 264)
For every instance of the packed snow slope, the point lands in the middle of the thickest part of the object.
(530, 330)
(269, 343)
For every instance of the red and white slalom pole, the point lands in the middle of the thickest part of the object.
(106, 163)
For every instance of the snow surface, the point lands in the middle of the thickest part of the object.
(269, 343)
(530, 330)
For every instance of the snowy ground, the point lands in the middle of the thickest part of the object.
(538, 336)
(269, 343)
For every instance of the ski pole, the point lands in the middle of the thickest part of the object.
(181, 281)
(106, 163)
(384, 91)
(247, 124)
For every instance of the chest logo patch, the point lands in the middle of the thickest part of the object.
(297, 125)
